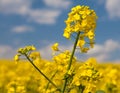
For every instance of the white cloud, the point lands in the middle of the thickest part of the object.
(111, 45)
(15, 6)
(45, 15)
(7, 51)
(57, 3)
(104, 52)
(97, 49)
(21, 29)
(46, 52)
(113, 8)
(107, 47)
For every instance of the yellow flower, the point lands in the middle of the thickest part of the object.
(77, 27)
(81, 43)
(77, 16)
(92, 43)
(34, 55)
(84, 50)
(90, 34)
(91, 62)
(26, 49)
(74, 91)
(90, 88)
(16, 58)
(33, 47)
(55, 47)
(67, 35)
(81, 19)
(84, 23)
(29, 48)
(67, 32)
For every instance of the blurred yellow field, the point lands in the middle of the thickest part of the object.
(23, 78)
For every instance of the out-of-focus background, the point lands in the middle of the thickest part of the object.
(41, 23)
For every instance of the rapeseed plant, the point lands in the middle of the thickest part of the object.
(64, 74)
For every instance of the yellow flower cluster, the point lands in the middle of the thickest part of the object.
(111, 79)
(88, 77)
(81, 19)
(16, 86)
(23, 78)
(26, 51)
(34, 55)
(61, 60)
(55, 47)
(84, 75)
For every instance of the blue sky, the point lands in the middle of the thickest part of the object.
(41, 23)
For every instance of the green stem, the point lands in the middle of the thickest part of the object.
(51, 79)
(81, 88)
(70, 62)
(41, 72)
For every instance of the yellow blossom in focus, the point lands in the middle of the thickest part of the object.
(67, 35)
(84, 23)
(67, 32)
(77, 17)
(80, 15)
(81, 19)
(90, 34)
(63, 58)
(81, 43)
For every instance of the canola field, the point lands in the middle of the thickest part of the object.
(24, 78)
(29, 73)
